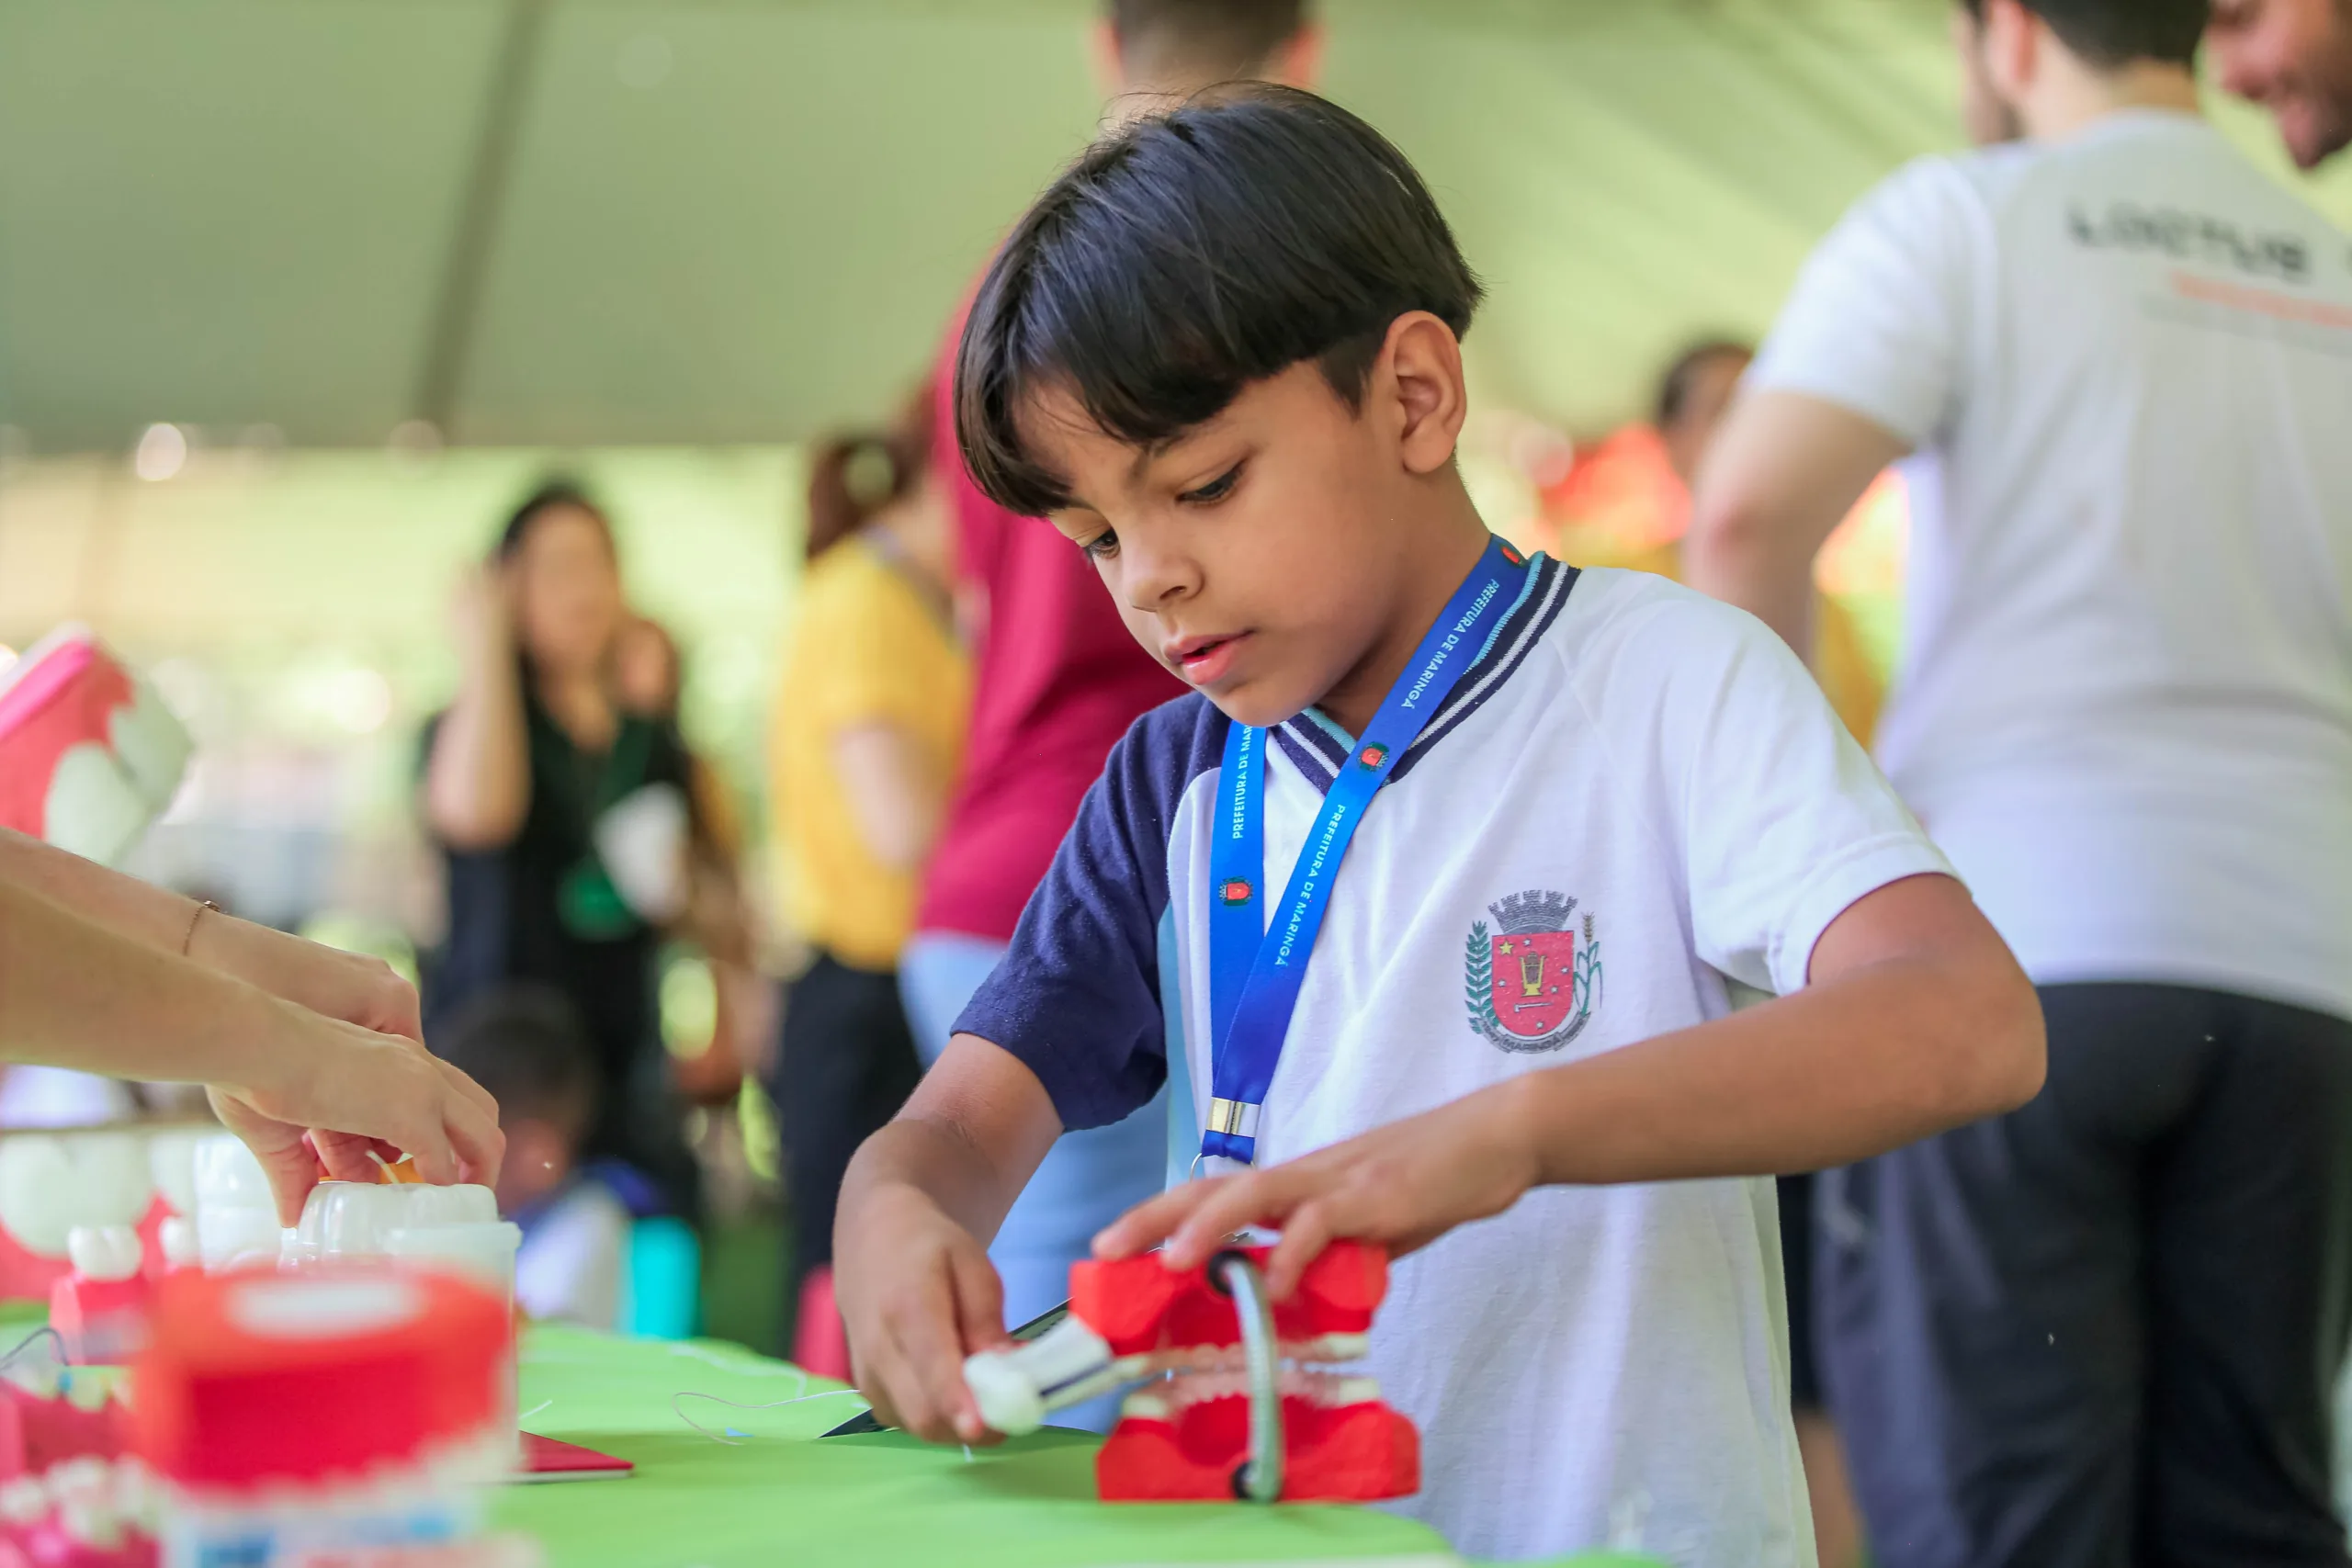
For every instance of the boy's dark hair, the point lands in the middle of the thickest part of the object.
(2109, 34)
(526, 1044)
(1209, 37)
(1674, 387)
(1188, 255)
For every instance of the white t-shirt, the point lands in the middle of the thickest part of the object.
(2125, 701)
(573, 1264)
(1634, 793)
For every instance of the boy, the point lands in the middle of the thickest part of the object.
(2120, 352)
(525, 1044)
(1221, 353)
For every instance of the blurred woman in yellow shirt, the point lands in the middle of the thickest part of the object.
(868, 723)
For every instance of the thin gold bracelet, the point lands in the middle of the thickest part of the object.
(189, 941)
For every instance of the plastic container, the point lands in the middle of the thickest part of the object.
(482, 1251)
(357, 1219)
(337, 1408)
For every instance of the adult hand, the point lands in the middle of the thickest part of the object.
(1402, 1185)
(348, 987)
(918, 1295)
(330, 1093)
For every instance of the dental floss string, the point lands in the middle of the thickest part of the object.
(740, 1404)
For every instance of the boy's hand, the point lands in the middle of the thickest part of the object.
(918, 1295)
(1402, 1185)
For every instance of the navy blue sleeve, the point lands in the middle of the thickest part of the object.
(1077, 997)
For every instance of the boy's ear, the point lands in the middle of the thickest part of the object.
(1419, 376)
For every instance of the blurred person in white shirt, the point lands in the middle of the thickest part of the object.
(2102, 1328)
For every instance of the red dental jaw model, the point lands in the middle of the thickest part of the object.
(1207, 1431)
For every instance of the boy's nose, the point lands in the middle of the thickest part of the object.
(1154, 579)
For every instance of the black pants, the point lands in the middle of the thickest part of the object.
(845, 1063)
(1795, 1195)
(2105, 1329)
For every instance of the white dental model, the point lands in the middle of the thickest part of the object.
(176, 1238)
(103, 1253)
(52, 1182)
(452, 1229)
(236, 1218)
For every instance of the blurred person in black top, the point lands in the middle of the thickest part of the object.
(524, 771)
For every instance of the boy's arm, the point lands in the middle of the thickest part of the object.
(918, 1206)
(1916, 1019)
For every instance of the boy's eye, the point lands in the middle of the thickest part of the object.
(1216, 490)
(1102, 546)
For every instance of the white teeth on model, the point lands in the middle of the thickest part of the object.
(176, 1236)
(52, 1182)
(88, 1394)
(1165, 1400)
(86, 1479)
(24, 1501)
(151, 744)
(228, 1175)
(236, 1218)
(171, 1160)
(90, 1525)
(103, 1252)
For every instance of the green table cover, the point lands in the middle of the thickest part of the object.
(773, 1495)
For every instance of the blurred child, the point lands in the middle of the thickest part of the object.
(526, 1045)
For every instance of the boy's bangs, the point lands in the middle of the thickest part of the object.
(1190, 255)
(1144, 364)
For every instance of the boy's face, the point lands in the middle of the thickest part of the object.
(1258, 555)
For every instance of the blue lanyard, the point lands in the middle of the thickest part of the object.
(1255, 967)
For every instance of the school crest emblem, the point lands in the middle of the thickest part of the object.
(1532, 979)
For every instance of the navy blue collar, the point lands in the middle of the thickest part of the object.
(1316, 747)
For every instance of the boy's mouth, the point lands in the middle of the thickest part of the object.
(1205, 660)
